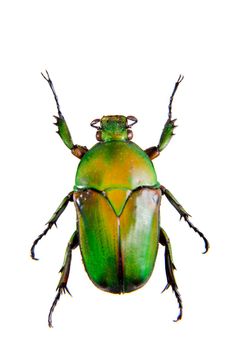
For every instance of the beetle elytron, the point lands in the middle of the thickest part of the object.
(117, 199)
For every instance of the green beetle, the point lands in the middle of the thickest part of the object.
(117, 200)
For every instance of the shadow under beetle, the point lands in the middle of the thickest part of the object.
(117, 200)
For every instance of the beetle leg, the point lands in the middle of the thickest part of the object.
(65, 270)
(183, 214)
(170, 267)
(63, 130)
(52, 221)
(168, 129)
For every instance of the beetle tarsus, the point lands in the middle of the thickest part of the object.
(206, 242)
(181, 77)
(61, 290)
(179, 300)
(65, 270)
(54, 93)
(170, 267)
(38, 239)
(53, 307)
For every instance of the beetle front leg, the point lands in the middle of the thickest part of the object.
(52, 221)
(168, 129)
(65, 270)
(63, 130)
(170, 267)
(183, 214)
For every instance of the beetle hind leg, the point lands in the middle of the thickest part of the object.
(65, 270)
(170, 267)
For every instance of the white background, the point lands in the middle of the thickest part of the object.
(116, 57)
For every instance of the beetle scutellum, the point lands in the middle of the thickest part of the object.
(117, 199)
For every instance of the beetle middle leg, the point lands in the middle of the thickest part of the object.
(170, 267)
(52, 221)
(65, 270)
(183, 214)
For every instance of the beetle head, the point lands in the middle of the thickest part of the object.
(114, 127)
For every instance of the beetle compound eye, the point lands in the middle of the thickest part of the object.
(99, 135)
(133, 119)
(130, 134)
(94, 122)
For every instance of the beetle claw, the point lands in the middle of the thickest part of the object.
(166, 287)
(34, 258)
(46, 78)
(179, 317)
(181, 77)
(207, 245)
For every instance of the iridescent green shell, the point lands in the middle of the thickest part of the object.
(115, 164)
(117, 200)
